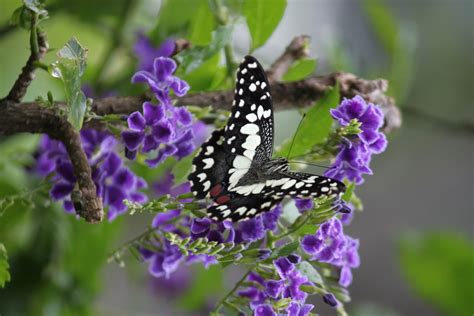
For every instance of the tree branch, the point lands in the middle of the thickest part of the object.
(297, 49)
(39, 47)
(34, 118)
(285, 96)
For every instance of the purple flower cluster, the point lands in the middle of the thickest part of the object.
(161, 127)
(330, 245)
(167, 257)
(354, 155)
(114, 181)
(287, 285)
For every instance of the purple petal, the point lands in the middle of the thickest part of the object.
(111, 164)
(153, 113)
(345, 277)
(311, 244)
(166, 48)
(163, 67)
(114, 197)
(136, 121)
(283, 266)
(149, 144)
(124, 178)
(61, 190)
(163, 132)
(156, 266)
(273, 288)
(132, 139)
(65, 170)
(264, 310)
(200, 226)
(144, 76)
(184, 116)
(252, 229)
(180, 87)
(304, 204)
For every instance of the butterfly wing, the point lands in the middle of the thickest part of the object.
(249, 131)
(302, 185)
(209, 165)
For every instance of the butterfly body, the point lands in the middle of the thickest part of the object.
(235, 167)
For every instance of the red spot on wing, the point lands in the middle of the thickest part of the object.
(216, 190)
(223, 199)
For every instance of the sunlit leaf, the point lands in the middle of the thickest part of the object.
(315, 127)
(70, 68)
(262, 17)
(300, 69)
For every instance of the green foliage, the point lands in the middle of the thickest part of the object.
(22, 15)
(262, 17)
(70, 69)
(440, 268)
(4, 273)
(315, 127)
(178, 17)
(202, 26)
(300, 70)
(191, 59)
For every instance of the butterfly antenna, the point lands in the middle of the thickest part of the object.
(310, 164)
(294, 136)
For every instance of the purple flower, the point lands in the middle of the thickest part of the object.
(146, 52)
(114, 182)
(354, 155)
(327, 244)
(264, 310)
(304, 204)
(163, 128)
(270, 219)
(252, 229)
(350, 260)
(299, 309)
(161, 79)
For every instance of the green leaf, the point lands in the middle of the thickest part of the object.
(315, 128)
(202, 26)
(300, 70)
(191, 59)
(176, 18)
(286, 249)
(440, 268)
(70, 69)
(182, 168)
(207, 76)
(262, 17)
(36, 6)
(4, 266)
(310, 272)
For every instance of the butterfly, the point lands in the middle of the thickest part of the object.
(234, 166)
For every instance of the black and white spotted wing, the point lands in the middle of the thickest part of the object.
(234, 166)
(249, 131)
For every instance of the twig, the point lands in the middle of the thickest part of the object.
(297, 49)
(38, 47)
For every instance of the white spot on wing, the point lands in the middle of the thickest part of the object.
(249, 129)
(207, 185)
(253, 65)
(201, 177)
(252, 87)
(208, 163)
(241, 162)
(288, 184)
(251, 117)
(251, 142)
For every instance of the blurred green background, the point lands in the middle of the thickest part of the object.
(416, 231)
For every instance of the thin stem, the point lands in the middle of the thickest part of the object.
(231, 292)
(222, 19)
